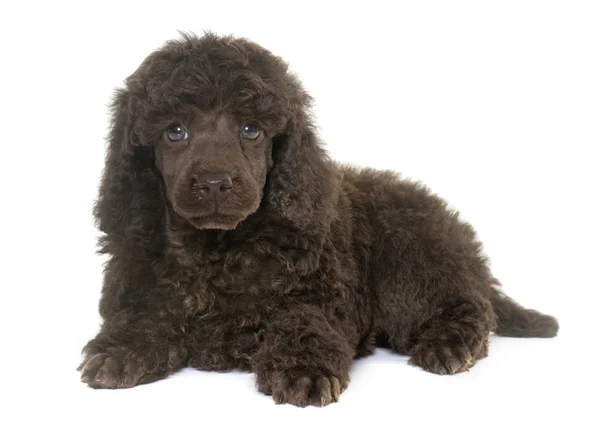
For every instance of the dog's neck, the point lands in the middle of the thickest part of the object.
(183, 239)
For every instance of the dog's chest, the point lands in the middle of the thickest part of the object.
(227, 299)
(226, 294)
(195, 301)
(223, 330)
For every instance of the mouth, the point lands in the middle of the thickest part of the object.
(214, 215)
(215, 221)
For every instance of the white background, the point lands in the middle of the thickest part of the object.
(495, 105)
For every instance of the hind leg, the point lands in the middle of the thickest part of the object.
(454, 339)
(432, 282)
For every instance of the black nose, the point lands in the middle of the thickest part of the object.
(214, 185)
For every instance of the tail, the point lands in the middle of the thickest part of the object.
(516, 321)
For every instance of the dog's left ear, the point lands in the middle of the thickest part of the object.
(302, 186)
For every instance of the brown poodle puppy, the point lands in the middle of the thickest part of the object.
(235, 243)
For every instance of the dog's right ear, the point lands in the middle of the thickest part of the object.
(129, 206)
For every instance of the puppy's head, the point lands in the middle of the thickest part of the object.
(213, 127)
(210, 108)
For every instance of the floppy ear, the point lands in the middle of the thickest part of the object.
(303, 187)
(129, 206)
(302, 181)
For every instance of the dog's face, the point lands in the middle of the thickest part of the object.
(205, 133)
(214, 166)
(212, 110)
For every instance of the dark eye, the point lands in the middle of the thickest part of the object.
(250, 132)
(176, 132)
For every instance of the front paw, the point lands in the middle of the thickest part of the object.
(304, 389)
(448, 358)
(111, 370)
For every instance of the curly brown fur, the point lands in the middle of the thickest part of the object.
(291, 267)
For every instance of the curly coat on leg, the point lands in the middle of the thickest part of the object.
(234, 242)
